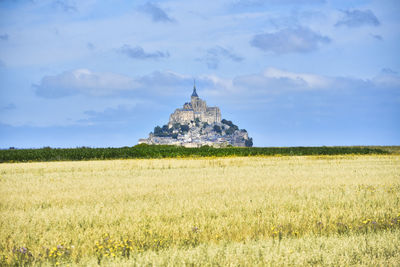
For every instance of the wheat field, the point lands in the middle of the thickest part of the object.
(238, 211)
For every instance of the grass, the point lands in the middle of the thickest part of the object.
(298, 210)
(167, 151)
(363, 250)
(390, 149)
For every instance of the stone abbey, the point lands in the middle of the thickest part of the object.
(196, 109)
(197, 125)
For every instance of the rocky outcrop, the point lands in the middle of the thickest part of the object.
(196, 134)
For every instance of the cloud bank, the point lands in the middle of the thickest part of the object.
(357, 18)
(290, 40)
(214, 55)
(138, 52)
(166, 84)
(155, 12)
(82, 81)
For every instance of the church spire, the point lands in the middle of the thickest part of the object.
(194, 94)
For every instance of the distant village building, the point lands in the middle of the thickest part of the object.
(197, 125)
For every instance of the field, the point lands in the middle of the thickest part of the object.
(166, 151)
(277, 210)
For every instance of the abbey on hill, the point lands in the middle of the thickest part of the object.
(196, 109)
(197, 125)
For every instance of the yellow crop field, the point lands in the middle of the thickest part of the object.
(262, 211)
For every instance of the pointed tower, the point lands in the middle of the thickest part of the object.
(194, 94)
(198, 105)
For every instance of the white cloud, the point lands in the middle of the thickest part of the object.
(311, 80)
(168, 85)
(387, 78)
(167, 90)
(83, 81)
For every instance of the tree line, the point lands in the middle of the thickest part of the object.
(166, 151)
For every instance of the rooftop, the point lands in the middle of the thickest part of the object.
(194, 92)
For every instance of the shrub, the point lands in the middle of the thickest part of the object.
(184, 128)
(230, 124)
(165, 128)
(249, 142)
(161, 151)
(158, 131)
(230, 131)
(217, 129)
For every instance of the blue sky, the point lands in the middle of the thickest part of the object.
(291, 72)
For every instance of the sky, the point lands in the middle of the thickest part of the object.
(291, 72)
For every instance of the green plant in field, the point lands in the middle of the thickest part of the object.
(107, 248)
(58, 254)
(21, 256)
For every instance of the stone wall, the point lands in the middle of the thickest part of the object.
(198, 105)
(181, 116)
(212, 115)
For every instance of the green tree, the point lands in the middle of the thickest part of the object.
(184, 128)
(217, 129)
(230, 131)
(158, 131)
(249, 142)
(230, 124)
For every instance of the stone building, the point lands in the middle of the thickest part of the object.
(195, 109)
(197, 125)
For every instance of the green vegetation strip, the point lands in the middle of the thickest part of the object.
(165, 151)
